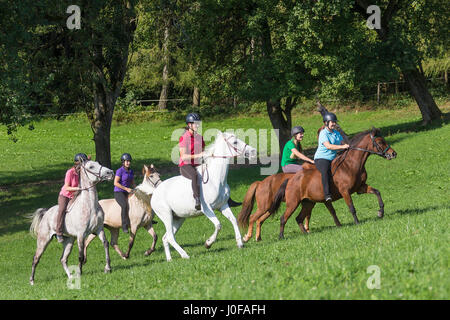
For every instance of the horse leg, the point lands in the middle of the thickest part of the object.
(172, 224)
(115, 240)
(80, 242)
(217, 226)
(102, 236)
(306, 223)
(259, 223)
(307, 207)
(348, 200)
(226, 211)
(290, 208)
(86, 244)
(130, 244)
(368, 189)
(42, 243)
(67, 249)
(333, 213)
(252, 220)
(152, 232)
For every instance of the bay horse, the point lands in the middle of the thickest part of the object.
(173, 201)
(84, 216)
(348, 176)
(140, 213)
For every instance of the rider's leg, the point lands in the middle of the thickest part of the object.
(188, 171)
(62, 207)
(324, 166)
(122, 200)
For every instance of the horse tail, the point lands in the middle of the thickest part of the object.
(247, 206)
(279, 196)
(36, 219)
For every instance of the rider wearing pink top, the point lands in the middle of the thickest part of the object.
(71, 183)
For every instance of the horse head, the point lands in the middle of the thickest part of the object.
(95, 172)
(377, 144)
(237, 147)
(151, 176)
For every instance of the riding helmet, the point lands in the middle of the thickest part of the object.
(329, 116)
(297, 129)
(125, 157)
(80, 156)
(192, 117)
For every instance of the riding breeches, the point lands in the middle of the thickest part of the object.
(189, 171)
(291, 168)
(122, 200)
(62, 207)
(324, 166)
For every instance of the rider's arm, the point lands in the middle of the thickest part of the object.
(67, 181)
(335, 146)
(186, 156)
(300, 155)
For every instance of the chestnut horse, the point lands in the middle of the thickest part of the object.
(263, 192)
(348, 176)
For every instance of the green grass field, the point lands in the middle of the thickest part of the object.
(409, 245)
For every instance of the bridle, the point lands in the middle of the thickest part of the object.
(380, 151)
(231, 148)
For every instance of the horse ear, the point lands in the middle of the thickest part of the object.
(144, 170)
(152, 166)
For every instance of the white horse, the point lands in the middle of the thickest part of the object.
(173, 201)
(84, 216)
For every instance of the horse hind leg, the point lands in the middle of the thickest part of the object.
(86, 244)
(42, 243)
(259, 223)
(172, 225)
(307, 207)
(226, 211)
(152, 232)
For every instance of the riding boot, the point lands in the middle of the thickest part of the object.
(197, 203)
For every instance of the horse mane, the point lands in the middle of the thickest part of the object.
(143, 198)
(359, 136)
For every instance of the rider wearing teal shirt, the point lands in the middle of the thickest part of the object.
(329, 142)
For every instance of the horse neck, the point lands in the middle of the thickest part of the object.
(218, 166)
(357, 159)
(89, 193)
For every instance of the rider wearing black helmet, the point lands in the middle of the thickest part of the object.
(191, 146)
(329, 142)
(71, 183)
(292, 152)
(123, 184)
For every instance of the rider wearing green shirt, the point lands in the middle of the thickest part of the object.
(292, 152)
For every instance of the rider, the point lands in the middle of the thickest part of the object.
(329, 141)
(123, 181)
(71, 182)
(191, 146)
(292, 152)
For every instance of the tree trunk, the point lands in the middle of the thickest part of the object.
(196, 97)
(418, 89)
(281, 124)
(165, 76)
(101, 124)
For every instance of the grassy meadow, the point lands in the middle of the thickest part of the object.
(409, 245)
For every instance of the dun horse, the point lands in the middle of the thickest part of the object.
(348, 176)
(140, 213)
(84, 216)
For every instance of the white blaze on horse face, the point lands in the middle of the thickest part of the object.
(96, 172)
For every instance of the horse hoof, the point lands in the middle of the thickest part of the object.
(186, 257)
(207, 246)
(148, 252)
(380, 214)
(32, 282)
(245, 238)
(107, 270)
(258, 239)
